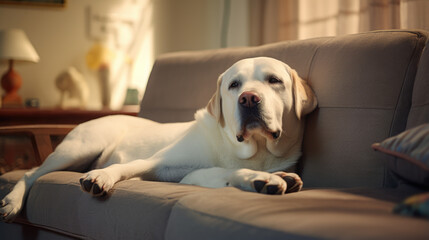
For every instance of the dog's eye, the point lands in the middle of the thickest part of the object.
(274, 80)
(234, 84)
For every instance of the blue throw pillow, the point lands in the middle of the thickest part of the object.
(416, 205)
(410, 154)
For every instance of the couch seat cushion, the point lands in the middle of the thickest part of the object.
(135, 209)
(311, 214)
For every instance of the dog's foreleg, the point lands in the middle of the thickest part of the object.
(172, 163)
(245, 179)
(100, 181)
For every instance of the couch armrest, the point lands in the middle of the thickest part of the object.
(40, 136)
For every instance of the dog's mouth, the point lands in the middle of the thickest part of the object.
(254, 120)
(255, 125)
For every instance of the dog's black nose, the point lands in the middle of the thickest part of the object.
(249, 99)
(276, 134)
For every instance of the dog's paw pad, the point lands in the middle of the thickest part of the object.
(259, 185)
(86, 184)
(97, 190)
(273, 189)
(293, 185)
(257, 181)
(97, 183)
(269, 189)
(92, 187)
(293, 181)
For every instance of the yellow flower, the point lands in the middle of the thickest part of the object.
(98, 55)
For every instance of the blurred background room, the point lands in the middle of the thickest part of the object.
(98, 54)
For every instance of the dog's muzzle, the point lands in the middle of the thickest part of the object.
(251, 118)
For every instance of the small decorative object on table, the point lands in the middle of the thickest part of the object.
(98, 58)
(74, 89)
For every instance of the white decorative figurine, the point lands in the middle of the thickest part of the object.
(74, 89)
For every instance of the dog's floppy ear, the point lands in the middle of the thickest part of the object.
(305, 99)
(214, 107)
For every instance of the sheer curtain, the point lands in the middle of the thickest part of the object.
(276, 20)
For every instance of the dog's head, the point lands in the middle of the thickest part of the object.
(258, 96)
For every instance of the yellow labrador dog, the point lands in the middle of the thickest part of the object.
(249, 132)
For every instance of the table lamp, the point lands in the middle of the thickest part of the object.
(14, 47)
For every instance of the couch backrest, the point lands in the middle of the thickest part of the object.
(363, 83)
(180, 83)
(419, 112)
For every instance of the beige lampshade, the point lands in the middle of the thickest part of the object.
(14, 45)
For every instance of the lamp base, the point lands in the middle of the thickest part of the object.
(11, 82)
(11, 100)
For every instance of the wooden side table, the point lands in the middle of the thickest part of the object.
(27, 136)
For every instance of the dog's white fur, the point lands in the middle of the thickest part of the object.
(220, 148)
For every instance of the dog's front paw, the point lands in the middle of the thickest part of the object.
(293, 181)
(10, 207)
(257, 181)
(96, 182)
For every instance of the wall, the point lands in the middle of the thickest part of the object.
(196, 24)
(59, 38)
(62, 38)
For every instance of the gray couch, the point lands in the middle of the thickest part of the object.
(370, 86)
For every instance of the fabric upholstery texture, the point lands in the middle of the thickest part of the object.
(191, 77)
(313, 214)
(157, 210)
(419, 113)
(57, 202)
(363, 84)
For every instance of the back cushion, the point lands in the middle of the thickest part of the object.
(364, 85)
(181, 83)
(419, 112)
